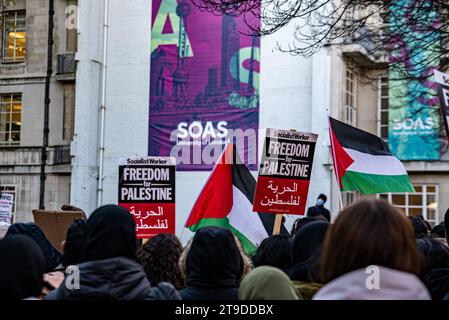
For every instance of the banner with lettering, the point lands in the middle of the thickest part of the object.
(443, 91)
(204, 85)
(414, 120)
(147, 189)
(285, 170)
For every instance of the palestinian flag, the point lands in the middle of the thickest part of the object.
(227, 201)
(364, 163)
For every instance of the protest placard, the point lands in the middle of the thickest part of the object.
(285, 170)
(6, 205)
(147, 190)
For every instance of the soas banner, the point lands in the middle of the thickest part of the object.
(204, 86)
(414, 120)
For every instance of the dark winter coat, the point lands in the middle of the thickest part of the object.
(113, 279)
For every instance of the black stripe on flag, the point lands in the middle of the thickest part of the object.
(243, 180)
(358, 140)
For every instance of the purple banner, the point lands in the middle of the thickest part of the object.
(204, 85)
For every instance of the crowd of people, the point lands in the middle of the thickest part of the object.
(371, 251)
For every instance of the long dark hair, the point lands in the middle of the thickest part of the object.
(159, 258)
(274, 251)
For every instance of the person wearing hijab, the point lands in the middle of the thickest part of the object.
(22, 268)
(267, 283)
(51, 255)
(305, 252)
(213, 266)
(110, 270)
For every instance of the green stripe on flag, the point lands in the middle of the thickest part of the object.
(374, 183)
(249, 247)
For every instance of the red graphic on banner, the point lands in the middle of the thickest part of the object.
(152, 218)
(284, 196)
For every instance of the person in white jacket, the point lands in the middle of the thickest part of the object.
(370, 253)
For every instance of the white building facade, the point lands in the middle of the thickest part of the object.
(294, 94)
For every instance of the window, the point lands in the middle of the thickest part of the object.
(10, 119)
(424, 201)
(10, 190)
(351, 99)
(14, 36)
(349, 198)
(382, 112)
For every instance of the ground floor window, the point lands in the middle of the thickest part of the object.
(10, 190)
(424, 201)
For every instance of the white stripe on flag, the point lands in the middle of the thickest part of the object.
(245, 220)
(371, 164)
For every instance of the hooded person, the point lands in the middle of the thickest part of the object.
(110, 270)
(305, 252)
(213, 266)
(267, 283)
(21, 269)
(51, 255)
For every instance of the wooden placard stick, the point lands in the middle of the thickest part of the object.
(277, 224)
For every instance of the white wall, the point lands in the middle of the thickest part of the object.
(294, 95)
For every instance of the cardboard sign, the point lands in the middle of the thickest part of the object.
(56, 223)
(6, 205)
(443, 91)
(147, 190)
(285, 169)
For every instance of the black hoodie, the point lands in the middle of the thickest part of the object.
(51, 255)
(111, 270)
(22, 266)
(214, 266)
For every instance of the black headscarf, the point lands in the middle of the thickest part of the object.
(22, 267)
(51, 255)
(110, 233)
(73, 248)
(214, 259)
(305, 249)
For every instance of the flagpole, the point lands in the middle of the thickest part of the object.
(333, 158)
(182, 234)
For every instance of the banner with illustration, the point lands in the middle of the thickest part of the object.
(414, 121)
(204, 86)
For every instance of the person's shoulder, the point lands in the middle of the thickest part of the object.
(163, 291)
